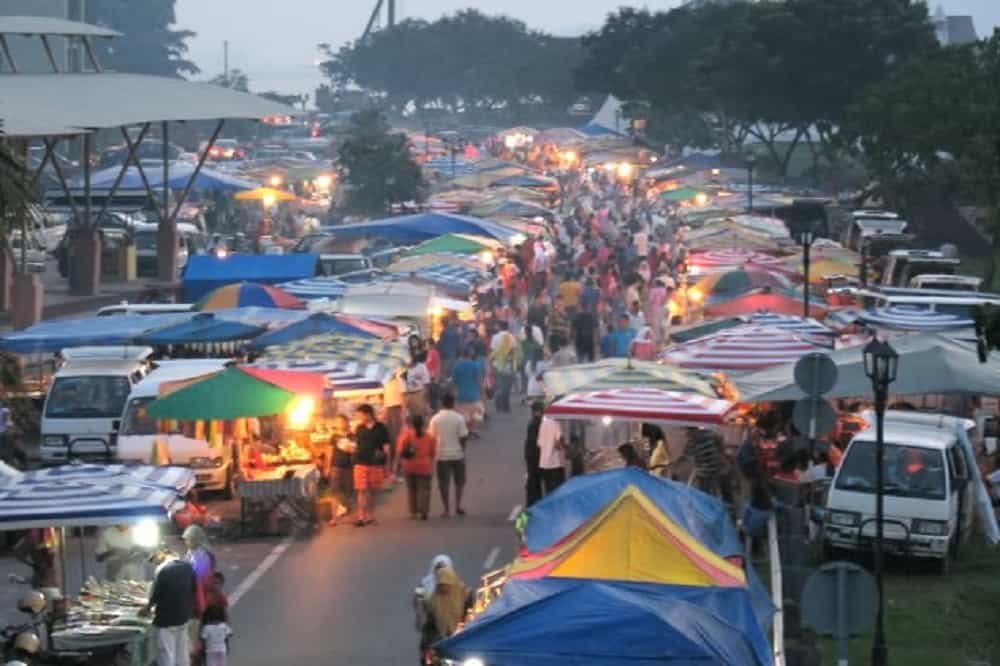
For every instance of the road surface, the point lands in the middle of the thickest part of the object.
(343, 596)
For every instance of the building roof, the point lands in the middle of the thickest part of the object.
(49, 104)
(46, 25)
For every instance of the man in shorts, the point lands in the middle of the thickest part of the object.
(370, 459)
(450, 432)
(468, 375)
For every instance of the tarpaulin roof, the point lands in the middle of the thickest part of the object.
(631, 540)
(648, 405)
(422, 226)
(733, 258)
(84, 495)
(553, 622)
(178, 177)
(315, 324)
(338, 347)
(205, 272)
(613, 373)
(578, 500)
(524, 180)
(51, 336)
(454, 243)
(928, 363)
(203, 327)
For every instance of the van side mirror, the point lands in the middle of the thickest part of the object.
(116, 425)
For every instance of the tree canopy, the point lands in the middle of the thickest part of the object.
(461, 62)
(779, 73)
(150, 43)
(378, 167)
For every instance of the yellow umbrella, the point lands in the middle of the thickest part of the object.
(265, 194)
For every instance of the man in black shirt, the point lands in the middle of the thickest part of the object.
(532, 454)
(370, 460)
(172, 600)
(584, 334)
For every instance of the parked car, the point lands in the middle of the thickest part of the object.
(190, 240)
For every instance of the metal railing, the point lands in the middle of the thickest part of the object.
(777, 597)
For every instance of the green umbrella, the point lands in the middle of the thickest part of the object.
(455, 243)
(230, 394)
(681, 194)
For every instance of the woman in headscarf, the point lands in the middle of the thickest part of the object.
(202, 560)
(446, 606)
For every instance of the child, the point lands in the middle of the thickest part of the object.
(215, 633)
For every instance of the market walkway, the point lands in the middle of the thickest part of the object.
(344, 597)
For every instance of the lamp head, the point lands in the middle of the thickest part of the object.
(881, 362)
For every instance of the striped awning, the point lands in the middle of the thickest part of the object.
(731, 258)
(902, 318)
(809, 329)
(618, 373)
(747, 347)
(344, 376)
(643, 404)
(316, 288)
(86, 495)
(335, 347)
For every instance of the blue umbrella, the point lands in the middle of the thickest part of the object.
(316, 324)
(411, 229)
(203, 327)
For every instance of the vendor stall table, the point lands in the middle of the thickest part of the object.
(106, 619)
(289, 489)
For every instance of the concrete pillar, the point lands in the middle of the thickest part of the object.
(85, 262)
(7, 265)
(29, 297)
(166, 252)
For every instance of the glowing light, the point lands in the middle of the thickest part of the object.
(570, 156)
(517, 239)
(610, 166)
(146, 534)
(268, 200)
(716, 172)
(473, 661)
(653, 158)
(276, 181)
(701, 199)
(695, 295)
(606, 420)
(324, 182)
(221, 253)
(625, 170)
(538, 219)
(486, 256)
(435, 311)
(300, 412)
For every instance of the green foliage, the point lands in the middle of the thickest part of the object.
(378, 167)
(16, 191)
(778, 71)
(461, 62)
(237, 79)
(149, 45)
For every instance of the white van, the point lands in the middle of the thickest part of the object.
(84, 403)
(214, 466)
(928, 491)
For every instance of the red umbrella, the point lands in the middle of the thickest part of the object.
(774, 302)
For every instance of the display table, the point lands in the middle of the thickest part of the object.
(289, 489)
(105, 617)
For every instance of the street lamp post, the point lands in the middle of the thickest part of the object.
(881, 362)
(806, 239)
(751, 162)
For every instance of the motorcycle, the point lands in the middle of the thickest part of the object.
(21, 642)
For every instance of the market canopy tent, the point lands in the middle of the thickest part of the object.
(237, 393)
(91, 495)
(338, 347)
(247, 294)
(178, 177)
(743, 348)
(455, 243)
(903, 318)
(631, 540)
(617, 373)
(576, 502)
(786, 303)
(421, 227)
(553, 622)
(52, 336)
(203, 327)
(928, 363)
(648, 405)
(318, 323)
(726, 284)
(344, 377)
(732, 259)
(205, 272)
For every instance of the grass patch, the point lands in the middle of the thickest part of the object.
(935, 620)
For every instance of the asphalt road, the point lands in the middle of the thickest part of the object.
(343, 596)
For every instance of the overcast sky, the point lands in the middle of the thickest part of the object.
(275, 42)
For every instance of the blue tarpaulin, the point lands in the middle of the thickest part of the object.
(51, 336)
(558, 621)
(524, 181)
(203, 327)
(205, 272)
(315, 324)
(582, 497)
(412, 229)
(208, 179)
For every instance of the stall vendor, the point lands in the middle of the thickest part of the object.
(123, 559)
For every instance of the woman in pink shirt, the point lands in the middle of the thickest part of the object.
(656, 301)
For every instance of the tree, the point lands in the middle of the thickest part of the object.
(237, 79)
(378, 167)
(149, 44)
(16, 191)
(290, 99)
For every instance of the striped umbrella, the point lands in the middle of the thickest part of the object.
(903, 318)
(746, 347)
(733, 258)
(179, 480)
(315, 288)
(649, 405)
(247, 294)
(344, 376)
(335, 347)
(616, 373)
(808, 329)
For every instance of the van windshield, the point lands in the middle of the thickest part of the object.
(346, 265)
(909, 471)
(137, 421)
(87, 397)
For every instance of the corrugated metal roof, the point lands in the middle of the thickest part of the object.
(105, 100)
(46, 25)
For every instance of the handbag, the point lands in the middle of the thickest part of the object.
(409, 451)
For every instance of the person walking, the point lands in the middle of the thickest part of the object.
(342, 449)
(371, 458)
(505, 357)
(416, 448)
(532, 455)
(551, 455)
(394, 402)
(450, 432)
(215, 633)
(202, 560)
(172, 603)
(468, 376)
